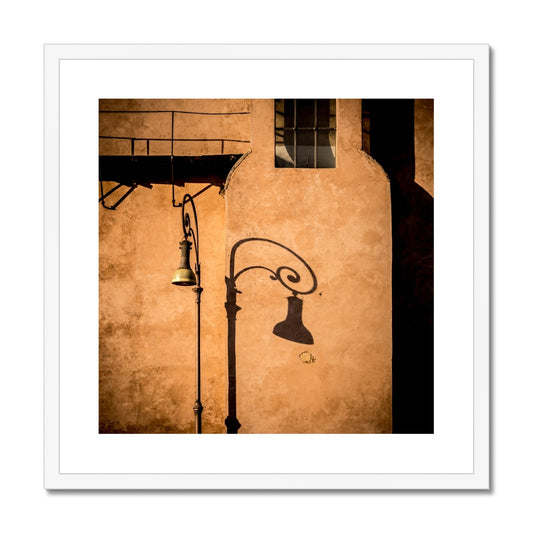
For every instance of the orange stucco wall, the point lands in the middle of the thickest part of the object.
(338, 221)
(147, 325)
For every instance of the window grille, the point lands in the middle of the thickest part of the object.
(305, 132)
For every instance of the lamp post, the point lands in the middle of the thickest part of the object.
(184, 276)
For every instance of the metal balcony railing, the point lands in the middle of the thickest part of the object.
(148, 169)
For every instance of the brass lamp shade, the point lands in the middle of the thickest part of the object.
(184, 274)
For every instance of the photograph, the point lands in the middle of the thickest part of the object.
(265, 265)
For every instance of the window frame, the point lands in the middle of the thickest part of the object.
(296, 130)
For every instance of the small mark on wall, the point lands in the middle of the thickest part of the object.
(307, 357)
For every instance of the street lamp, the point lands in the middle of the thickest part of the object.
(291, 328)
(184, 276)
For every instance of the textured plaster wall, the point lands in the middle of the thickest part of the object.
(338, 221)
(194, 134)
(147, 342)
(147, 325)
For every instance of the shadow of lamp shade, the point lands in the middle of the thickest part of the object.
(184, 275)
(292, 327)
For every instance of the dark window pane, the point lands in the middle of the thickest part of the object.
(326, 149)
(305, 149)
(323, 113)
(284, 149)
(332, 114)
(284, 113)
(289, 114)
(305, 113)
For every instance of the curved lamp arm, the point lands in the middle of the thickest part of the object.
(189, 231)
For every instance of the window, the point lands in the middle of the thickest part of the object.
(305, 133)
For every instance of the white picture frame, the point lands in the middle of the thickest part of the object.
(455, 456)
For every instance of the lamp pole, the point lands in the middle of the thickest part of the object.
(184, 276)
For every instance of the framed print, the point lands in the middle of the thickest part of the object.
(266, 267)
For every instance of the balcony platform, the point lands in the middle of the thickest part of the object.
(165, 169)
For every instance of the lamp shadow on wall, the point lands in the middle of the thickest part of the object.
(291, 328)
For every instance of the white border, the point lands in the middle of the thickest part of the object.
(477, 476)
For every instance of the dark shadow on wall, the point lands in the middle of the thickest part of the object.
(388, 136)
(291, 328)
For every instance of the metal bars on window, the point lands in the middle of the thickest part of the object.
(305, 132)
